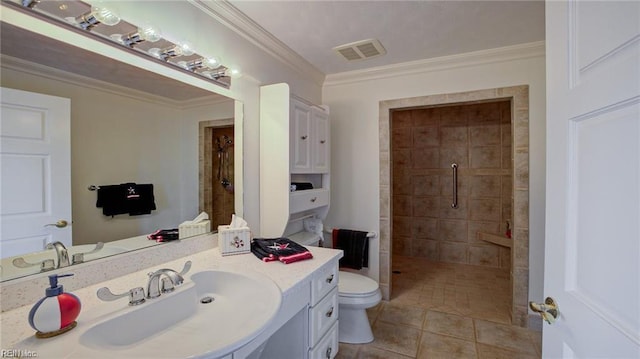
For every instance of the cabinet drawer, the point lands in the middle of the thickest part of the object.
(303, 200)
(323, 315)
(324, 280)
(327, 348)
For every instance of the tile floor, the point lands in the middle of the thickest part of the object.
(443, 310)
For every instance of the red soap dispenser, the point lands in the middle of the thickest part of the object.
(57, 312)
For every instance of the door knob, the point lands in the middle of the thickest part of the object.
(548, 310)
(60, 224)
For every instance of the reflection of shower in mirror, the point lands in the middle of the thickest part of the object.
(224, 143)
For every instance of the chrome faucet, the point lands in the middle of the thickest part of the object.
(170, 279)
(61, 252)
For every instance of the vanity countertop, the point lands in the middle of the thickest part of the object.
(17, 334)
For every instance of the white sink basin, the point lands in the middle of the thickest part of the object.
(187, 323)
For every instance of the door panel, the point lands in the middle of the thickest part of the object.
(36, 171)
(592, 245)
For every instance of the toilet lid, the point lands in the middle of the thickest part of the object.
(352, 284)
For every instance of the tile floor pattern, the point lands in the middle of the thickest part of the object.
(443, 310)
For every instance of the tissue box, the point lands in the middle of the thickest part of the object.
(234, 240)
(189, 229)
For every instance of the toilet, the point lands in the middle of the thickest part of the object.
(356, 293)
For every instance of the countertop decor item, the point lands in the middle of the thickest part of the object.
(56, 313)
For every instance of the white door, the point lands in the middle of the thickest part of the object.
(592, 245)
(36, 171)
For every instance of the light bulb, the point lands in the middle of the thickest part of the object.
(105, 15)
(186, 49)
(149, 33)
(234, 72)
(212, 62)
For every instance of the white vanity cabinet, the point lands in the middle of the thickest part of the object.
(323, 314)
(307, 325)
(294, 147)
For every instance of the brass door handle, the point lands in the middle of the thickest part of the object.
(549, 311)
(59, 224)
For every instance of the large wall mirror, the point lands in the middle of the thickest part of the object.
(128, 125)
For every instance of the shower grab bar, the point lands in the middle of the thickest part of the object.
(454, 202)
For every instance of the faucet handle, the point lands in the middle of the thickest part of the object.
(45, 265)
(79, 257)
(136, 295)
(186, 268)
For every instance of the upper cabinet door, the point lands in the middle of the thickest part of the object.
(320, 138)
(300, 137)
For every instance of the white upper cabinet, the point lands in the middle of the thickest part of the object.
(320, 141)
(309, 138)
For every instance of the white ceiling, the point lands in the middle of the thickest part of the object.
(409, 30)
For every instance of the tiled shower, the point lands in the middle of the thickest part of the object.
(424, 144)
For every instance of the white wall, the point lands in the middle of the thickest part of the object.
(355, 140)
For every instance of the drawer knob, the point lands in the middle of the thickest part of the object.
(322, 141)
(329, 313)
(330, 279)
(314, 199)
(328, 353)
(304, 137)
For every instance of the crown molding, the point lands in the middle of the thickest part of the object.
(51, 73)
(228, 15)
(501, 54)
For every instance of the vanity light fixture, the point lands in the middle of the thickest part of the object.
(105, 23)
(97, 15)
(147, 33)
(166, 54)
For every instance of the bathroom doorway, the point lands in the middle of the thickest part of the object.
(216, 140)
(485, 134)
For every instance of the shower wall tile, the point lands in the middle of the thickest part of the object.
(402, 180)
(425, 136)
(401, 226)
(506, 133)
(453, 115)
(449, 155)
(448, 212)
(425, 227)
(426, 206)
(486, 135)
(453, 252)
(425, 117)
(401, 158)
(485, 157)
(485, 209)
(401, 138)
(521, 210)
(426, 157)
(402, 119)
(426, 185)
(484, 255)
(446, 184)
(402, 205)
(401, 245)
(454, 136)
(485, 186)
(425, 248)
(452, 231)
(385, 173)
(521, 161)
(385, 239)
(507, 157)
(487, 113)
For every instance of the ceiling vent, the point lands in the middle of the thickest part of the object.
(361, 50)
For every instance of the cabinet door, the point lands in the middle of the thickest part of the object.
(300, 138)
(320, 138)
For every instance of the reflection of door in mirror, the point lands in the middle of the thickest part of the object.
(36, 181)
(217, 169)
